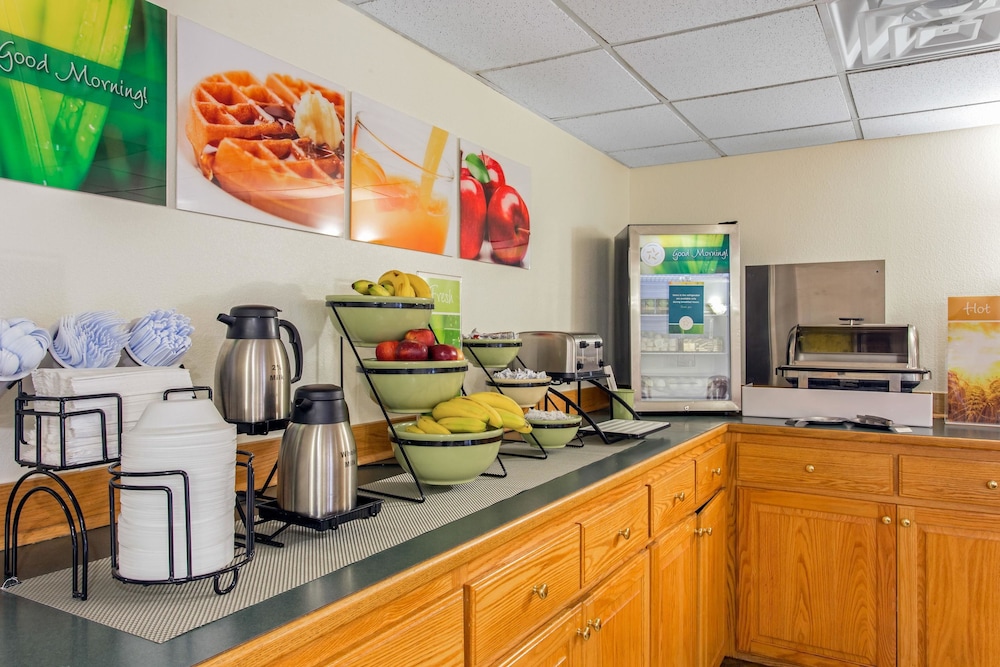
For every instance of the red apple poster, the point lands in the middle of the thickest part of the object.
(258, 139)
(403, 174)
(495, 191)
(83, 96)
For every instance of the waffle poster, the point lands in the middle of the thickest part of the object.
(974, 360)
(257, 138)
(83, 96)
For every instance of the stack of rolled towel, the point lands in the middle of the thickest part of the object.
(138, 387)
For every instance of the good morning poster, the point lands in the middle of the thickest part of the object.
(83, 96)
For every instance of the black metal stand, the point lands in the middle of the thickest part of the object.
(268, 510)
(596, 381)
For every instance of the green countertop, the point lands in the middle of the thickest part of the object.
(38, 635)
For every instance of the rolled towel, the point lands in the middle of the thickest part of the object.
(93, 339)
(22, 346)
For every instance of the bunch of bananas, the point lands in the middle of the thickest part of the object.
(472, 414)
(394, 283)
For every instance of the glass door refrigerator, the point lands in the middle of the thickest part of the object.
(677, 317)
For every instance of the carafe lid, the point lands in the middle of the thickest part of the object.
(319, 404)
(251, 321)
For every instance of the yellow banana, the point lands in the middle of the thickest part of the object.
(403, 286)
(494, 417)
(454, 407)
(498, 401)
(378, 290)
(389, 286)
(388, 275)
(413, 428)
(514, 422)
(420, 286)
(463, 424)
(361, 286)
(428, 425)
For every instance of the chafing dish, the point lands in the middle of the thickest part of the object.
(874, 357)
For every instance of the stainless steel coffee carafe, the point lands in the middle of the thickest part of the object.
(252, 375)
(318, 461)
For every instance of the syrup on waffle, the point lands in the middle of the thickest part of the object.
(243, 135)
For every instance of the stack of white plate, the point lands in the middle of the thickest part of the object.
(181, 434)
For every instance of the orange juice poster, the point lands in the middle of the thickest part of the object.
(257, 138)
(974, 360)
(403, 180)
(494, 191)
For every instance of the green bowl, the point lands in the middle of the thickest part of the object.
(414, 387)
(374, 319)
(526, 393)
(552, 433)
(445, 460)
(491, 352)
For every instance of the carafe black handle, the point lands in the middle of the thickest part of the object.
(296, 341)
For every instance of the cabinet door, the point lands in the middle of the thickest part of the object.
(817, 579)
(674, 584)
(949, 591)
(617, 615)
(557, 645)
(713, 608)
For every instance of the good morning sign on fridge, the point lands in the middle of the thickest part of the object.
(974, 360)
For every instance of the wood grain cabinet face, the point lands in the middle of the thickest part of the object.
(674, 579)
(711, 469)
(505, 604)
(815, 469)
(611, 535)
(949, 588)
(949, 480)
(617, 617)
(711, 535)
(817, 579)
(671, 496)
(557, 645)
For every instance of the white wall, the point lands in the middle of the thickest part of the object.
(928, 205)
(64, 252)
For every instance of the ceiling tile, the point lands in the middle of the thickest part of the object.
(639, 19)
(779, 108)
(932, 85)
(567, 86)
(765, 51)
(633, 128)
(480, 34)
(931, 121)
(784, 139)
(647, 157)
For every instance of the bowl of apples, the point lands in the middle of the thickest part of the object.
(367, 320)
(414, 374)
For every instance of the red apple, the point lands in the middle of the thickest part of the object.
(425, 336)
(472, 226)
(442, 352)
(508, 226)
(411, 350)
(496, 177)
(386, 350)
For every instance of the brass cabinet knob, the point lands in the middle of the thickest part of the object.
(585, 633)
(992, 484)
(541, 591)
(905, 523)
(887, 520)
(716, 471)
(703, 531)
(596, 624)
(625, 532)
(810, 468)
(680, 496)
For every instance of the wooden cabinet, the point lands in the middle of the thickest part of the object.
(711, 535)
(674, 579)
(619, 527)
(949, 591)
(817, 578)
(557, 645)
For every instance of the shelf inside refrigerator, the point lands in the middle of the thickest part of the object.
(683, 387)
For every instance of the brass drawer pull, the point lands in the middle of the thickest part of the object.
(625, 532)
(680, 496)
(716, 471)
(596, 624)
(905, 523)
(992, 484)
(810, 468)
(887, 520)
(541, 591)
(703, 531)
(585, 633)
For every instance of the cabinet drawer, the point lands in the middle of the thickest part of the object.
(806, 468)
(671, 495)
(711, 472)
(611, 535)
(956, 480)
(505, 604)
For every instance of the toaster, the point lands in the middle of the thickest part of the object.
(563, 356)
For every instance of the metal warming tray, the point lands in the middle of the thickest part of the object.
(875, 357)
(564, 356)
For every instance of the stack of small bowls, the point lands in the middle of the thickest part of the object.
(186, 435)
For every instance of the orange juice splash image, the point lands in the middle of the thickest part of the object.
(393, 201)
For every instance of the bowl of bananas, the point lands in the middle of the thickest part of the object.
(444, 458)
(382, 310)
(412, 387)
